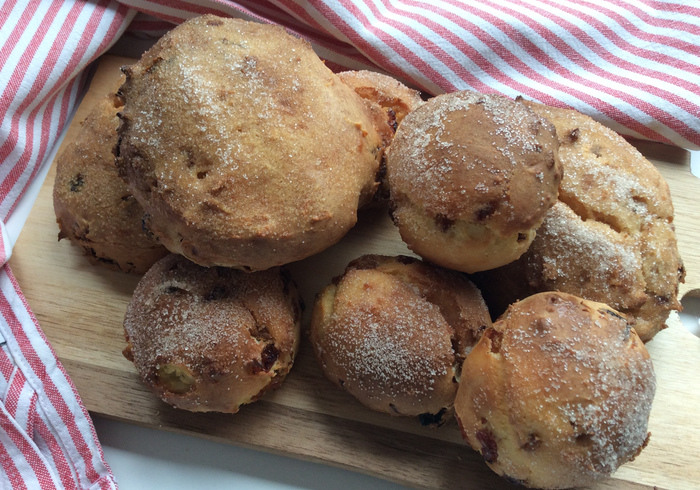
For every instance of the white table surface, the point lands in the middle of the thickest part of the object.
(143, 458)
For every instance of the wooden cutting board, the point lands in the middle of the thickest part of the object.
(80, 308)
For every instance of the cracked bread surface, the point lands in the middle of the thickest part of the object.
(383, 90)
(610, 238)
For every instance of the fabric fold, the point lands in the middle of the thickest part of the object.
(45, 422)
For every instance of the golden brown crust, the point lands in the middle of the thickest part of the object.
(94, 208)
(393, 332)
(212, 339)
(558, 393)
(245, 150)
(384, 90)
(471, 177)
(610, 238)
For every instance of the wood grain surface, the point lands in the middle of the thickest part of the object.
(81, 307)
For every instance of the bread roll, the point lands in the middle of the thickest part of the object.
(242, 147)
(212, 339)
(471, 177)
(558, 393)
(94, 208)
(393, 332)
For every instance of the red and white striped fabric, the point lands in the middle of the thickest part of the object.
(632, 64)
(47, 440)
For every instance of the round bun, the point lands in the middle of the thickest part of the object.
(94, 208)
(471, 177)
(393, 332)
(610, 238)
(245, 150)
(557, 393)
(212, 339)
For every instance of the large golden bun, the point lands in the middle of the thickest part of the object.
(242, 147)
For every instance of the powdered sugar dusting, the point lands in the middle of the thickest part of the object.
(476, 157)
(209, 319)
(438, 118)
(591, 377)
(185, 328)
(564, 240)
(391, 351)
